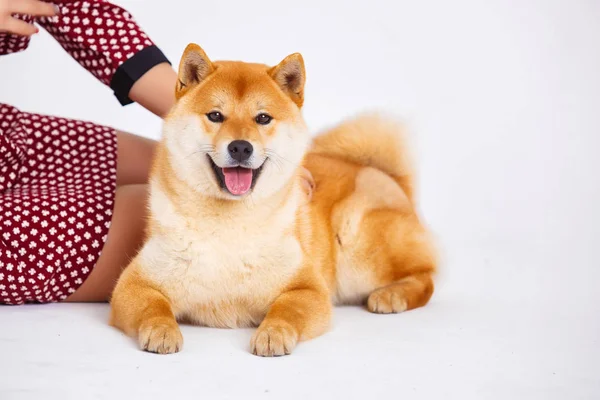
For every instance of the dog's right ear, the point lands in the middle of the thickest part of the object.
(194, 67)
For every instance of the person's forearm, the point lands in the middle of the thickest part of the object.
(155, 90)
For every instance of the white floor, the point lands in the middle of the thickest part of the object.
(504, 100)
(491, 332)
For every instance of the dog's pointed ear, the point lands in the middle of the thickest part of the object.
(194, 67)
(291, 76)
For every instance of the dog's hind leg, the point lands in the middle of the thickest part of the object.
(407, 276)
(407, 293)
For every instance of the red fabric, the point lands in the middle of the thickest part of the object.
(55, 211)
(98, 34)
(58, 176)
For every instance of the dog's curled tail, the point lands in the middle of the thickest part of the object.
(371, 140)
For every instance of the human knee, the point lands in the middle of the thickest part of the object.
(131, 202)
(132, 195)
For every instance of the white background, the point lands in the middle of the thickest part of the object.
(503, 99)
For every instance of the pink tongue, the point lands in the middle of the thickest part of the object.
(238, 180)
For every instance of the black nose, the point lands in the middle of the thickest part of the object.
(240, 150)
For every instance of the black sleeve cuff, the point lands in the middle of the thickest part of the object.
(133, 69)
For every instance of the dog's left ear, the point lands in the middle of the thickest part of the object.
(194, 67)
(291, 76)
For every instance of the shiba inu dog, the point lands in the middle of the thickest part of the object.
(233, 240)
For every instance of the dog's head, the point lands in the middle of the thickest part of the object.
(237, 127)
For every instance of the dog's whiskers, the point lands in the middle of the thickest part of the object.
(276, 163)
(204, 149)
(276, 158)
(272, 153)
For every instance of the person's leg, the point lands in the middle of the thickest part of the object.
(134, 157)
(124, 240)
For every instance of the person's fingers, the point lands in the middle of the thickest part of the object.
(308, 182)
(18, 27)
(307, 176)
(308, 189)
(36, 8)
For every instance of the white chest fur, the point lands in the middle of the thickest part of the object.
(219, 271)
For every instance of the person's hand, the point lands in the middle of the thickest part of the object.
(36, 8)
(308, 183)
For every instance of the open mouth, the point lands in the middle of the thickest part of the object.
(236, 180)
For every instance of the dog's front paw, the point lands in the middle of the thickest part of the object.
(274, 339)
(160, 335)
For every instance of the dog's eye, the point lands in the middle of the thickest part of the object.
(263, 119)
(215, 116)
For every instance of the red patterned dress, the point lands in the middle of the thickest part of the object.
(58, 176)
